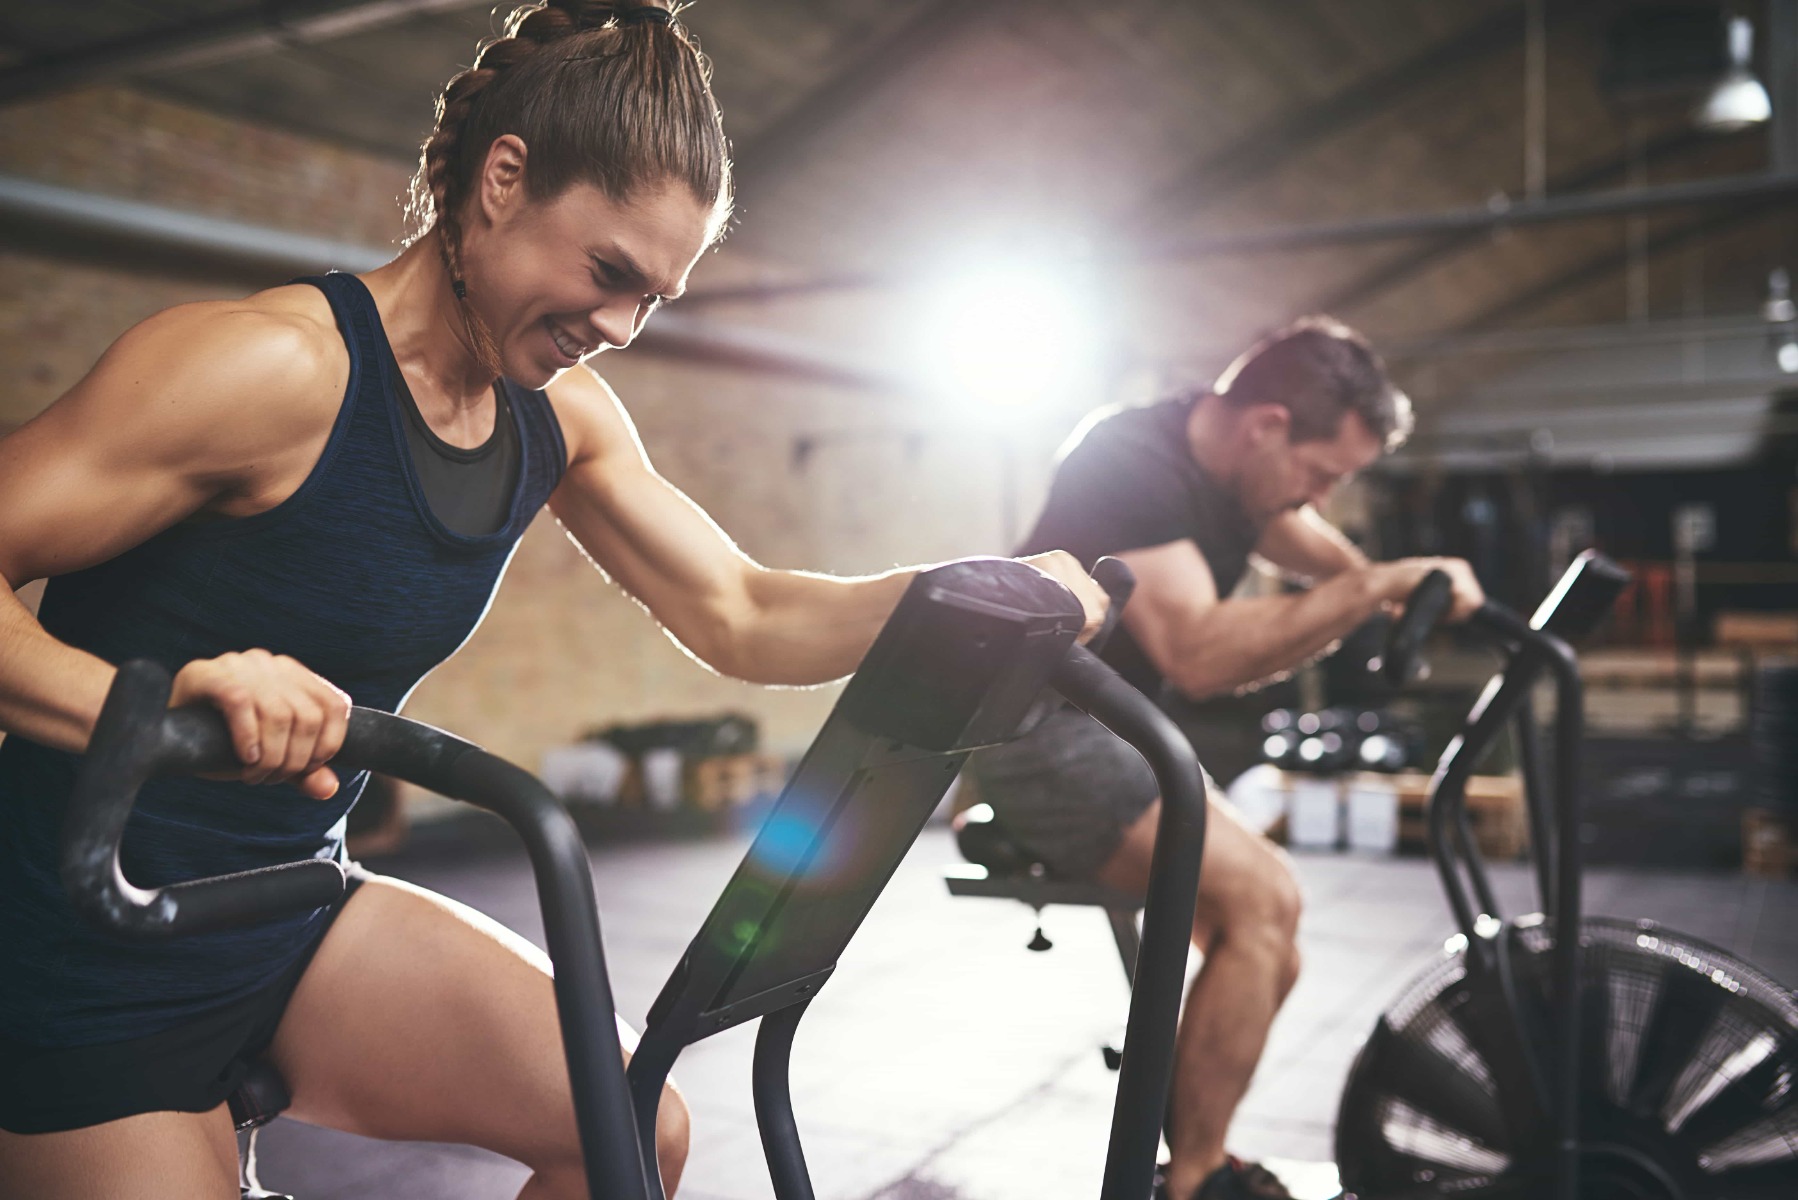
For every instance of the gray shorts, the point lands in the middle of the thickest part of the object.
(1067, 790)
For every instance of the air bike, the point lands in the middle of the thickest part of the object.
(971, 647)
(1555, 1055)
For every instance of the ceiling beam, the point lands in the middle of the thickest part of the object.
(1502, 213)
(204, 41)
(1595, 270)
(115, 231)
(1610, 335)
(1263, 151)
(1755, 187)
(1401, 270)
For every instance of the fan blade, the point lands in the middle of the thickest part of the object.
(1595, 1028)
(1763, 1181)
(1687, 1005)
(1761, 1089)
(1437, 1087)
(1512, 1062)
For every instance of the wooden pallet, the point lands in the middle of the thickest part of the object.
(1495, 806)
(1769, 844)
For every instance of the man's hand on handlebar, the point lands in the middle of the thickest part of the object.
(285, 721)
(1399, 578)
(1064, 568)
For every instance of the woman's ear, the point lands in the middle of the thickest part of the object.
(501, 189)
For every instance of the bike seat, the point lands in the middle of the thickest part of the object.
(260, 1098)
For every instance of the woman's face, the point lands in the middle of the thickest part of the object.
(558, 280)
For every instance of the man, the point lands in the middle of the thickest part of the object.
(1185, 491)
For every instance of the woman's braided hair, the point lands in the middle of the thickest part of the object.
(610, 92)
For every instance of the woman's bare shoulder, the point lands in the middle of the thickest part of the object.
(272, 361)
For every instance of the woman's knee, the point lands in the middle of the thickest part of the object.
(674, 1126)
(560, 1169)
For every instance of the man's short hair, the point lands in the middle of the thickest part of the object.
(1317, 369)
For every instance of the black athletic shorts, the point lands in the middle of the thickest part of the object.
(1067, 791)
(193, 1067)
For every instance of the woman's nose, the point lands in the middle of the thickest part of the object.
(615, 322)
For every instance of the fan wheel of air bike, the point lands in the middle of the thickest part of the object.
(1688, 1077)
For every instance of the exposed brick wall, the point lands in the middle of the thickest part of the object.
(125, 143)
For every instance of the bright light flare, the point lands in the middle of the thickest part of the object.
(1007, 335)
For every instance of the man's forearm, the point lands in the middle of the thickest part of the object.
(1304, 546)
(1239, 642)
(49, 692)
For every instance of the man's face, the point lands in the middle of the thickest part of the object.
(1280, 475)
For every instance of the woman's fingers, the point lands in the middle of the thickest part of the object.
(1066, 569)
(285, 721)
(320, 783)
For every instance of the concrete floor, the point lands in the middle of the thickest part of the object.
(943, 1060)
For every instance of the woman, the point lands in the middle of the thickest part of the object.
(308, 497)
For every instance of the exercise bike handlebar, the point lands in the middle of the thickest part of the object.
(1118, 581)
(1402, 662)
(1582, 598)
(1146, 1072)
(137, 736)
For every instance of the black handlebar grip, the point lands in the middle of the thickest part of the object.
(138, 736)
(1119, 582)
(1402, 663)
(135, 737)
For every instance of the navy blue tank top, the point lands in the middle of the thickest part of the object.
(355, 578)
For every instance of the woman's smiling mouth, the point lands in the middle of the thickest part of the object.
(568, 346)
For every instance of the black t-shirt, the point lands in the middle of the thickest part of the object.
(1128, 483)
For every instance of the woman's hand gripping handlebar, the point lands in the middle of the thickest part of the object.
(138, 736)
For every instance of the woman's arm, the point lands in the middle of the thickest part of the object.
(201, 408)
(738, 617)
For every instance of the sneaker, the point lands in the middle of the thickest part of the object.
(1239, 1180)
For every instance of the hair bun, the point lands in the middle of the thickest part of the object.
(645, 14)
(592, 16)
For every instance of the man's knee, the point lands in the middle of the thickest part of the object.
(1262, 906)
(1284, 902)
(1289, 969)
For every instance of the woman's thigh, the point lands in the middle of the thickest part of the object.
(420, 1019)
(155, 1156)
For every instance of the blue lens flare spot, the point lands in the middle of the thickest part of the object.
(784, 841)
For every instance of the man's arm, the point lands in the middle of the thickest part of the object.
(1203, 645)
(738, 617)
(1305, 546)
